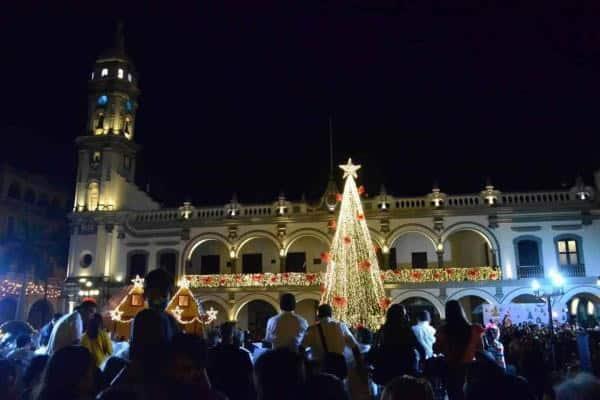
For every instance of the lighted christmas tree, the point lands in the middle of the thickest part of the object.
(353, 285)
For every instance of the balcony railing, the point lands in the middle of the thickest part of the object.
(572, 270)
(299, 279)
(530, 271)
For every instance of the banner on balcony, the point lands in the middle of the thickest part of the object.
(517, 313)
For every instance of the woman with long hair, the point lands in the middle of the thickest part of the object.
(96, 340)
(458, 340)
(396, 351)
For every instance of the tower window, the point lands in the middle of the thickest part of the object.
(92, 78)
(129, 78)
(93, 195)
(104, 72)
(120, 73)
(102, 100)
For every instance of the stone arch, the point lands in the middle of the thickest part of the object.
(575, 291)
(412, 228)
(474, 292)
(257, 234)
(251, 297)
(423, 294)
(40, 313)
(377, 237)
(308, 296)
(481, 230)
(306, 232)
(198, 240)
(8, 309)
(513, 294)
(220, 301)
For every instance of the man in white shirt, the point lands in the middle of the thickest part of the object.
(69, 328)
(287, 328)
(425, 333)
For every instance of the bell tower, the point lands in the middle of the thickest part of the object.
(107, 151)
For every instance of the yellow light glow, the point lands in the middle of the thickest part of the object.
(353, 285)
(232, 254)
(440, 247)
(385, 249)
(574, 305)
(119, 278)
(282, 252)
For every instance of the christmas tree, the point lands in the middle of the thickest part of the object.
(353, 285)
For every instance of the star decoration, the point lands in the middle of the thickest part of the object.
(350, 169)
(177, 313)
(212, 315)
(116, 315)
(184, 283)
(138, 282)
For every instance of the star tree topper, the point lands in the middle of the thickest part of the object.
(350, 169)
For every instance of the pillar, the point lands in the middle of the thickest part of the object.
(281, 264)
(440, 259)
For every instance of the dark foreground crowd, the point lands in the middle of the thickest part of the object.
(326, 360)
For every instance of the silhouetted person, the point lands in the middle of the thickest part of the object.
(325, 386)
(32, 375)
(46, 330)
(407, 387)
(425, 333)
(230, 366)
(69, 374)
(583, 386)
(458, 341)
(287, 328)
(280, 374)
(397, 350)
(158, 286)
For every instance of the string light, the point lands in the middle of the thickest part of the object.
(353, 284)
(13, 288)
(193, 308)
(117, 313)
(291, 279)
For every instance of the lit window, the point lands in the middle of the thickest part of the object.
(120, 73)
(567, 252)
(129, 78)
(104, 72)
(92, 76)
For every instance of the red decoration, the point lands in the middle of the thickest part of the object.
(347, 240)
(339, 301)
(325, 257)
(360, 217)
(274, 279)
(311, 278)
(332, 224)
(257, 277)
(338, 197)
(376, 248)
(384, 303)
(361, 190)
(322, 289)
(365, 265)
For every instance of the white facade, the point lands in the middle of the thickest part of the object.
(118, 232)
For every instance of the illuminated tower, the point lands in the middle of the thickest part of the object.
(107, 151)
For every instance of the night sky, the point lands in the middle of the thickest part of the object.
(235, 103)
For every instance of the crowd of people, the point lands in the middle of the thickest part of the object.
(296, 360)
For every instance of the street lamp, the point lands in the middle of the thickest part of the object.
(556, 289)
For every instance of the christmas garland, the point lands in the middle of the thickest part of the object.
(405, 275)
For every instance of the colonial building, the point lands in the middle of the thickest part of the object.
(33, 241)
(483, 247)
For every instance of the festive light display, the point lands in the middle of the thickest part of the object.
(128, 307)
(191, 311)
(353, 284)
(13, 288)
(398, 276)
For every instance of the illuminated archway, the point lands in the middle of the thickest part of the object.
(422, 294)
